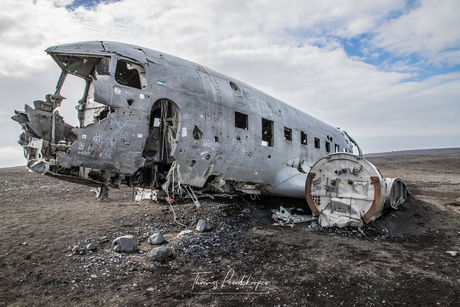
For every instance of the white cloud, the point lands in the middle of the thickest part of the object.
(431, 31)
(292, 50)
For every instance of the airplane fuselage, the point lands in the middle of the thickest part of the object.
(143, 112)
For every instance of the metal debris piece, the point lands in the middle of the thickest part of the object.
(284, 217)
(146, 194)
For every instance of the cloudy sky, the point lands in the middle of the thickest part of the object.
(386, 71)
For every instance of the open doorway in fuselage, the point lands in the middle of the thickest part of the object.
(163, 127)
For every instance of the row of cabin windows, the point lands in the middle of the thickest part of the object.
(241, 121)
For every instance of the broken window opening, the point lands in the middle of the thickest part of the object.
(104, 113)
(73, 88)
(337, 147)
(287, 134)
(79, 65)
(197, 134)
(303, 138)
(267, 132)
(317, 143)
(130, 74)
(328, 146)
(90, 111)
(78, 72)
(241, 120)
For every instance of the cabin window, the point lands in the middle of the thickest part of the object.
(241, 120)
(328, 146)
(130, 74)
(317, 144)
(288, 134)
(267, 132)
(337, 147)
(303, 138)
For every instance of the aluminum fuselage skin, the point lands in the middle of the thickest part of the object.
(204, 141)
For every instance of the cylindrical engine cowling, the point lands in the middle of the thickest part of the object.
(346, 190)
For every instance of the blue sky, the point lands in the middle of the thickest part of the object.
(87, 4)
(388, 72)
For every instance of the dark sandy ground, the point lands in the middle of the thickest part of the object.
(242, 259)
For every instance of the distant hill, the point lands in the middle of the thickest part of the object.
(417, 152)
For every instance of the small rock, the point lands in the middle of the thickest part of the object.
(93, 276)
(75, 248)
(124, 244)
(247, 211)
(156, 239)
(150, 289)
(452, 253)
(91, 247)
(185, 233)
(201, 226)
(160, 253)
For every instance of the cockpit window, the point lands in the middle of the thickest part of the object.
(79, 65)
(130, 74)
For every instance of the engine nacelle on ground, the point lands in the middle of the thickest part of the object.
(346, 190)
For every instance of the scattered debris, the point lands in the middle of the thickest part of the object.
(142, 193)
(124, 244)
(452, 253)
(283, 217)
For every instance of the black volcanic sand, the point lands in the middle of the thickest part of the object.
(242, 259)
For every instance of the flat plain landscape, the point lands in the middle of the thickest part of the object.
(242, 259)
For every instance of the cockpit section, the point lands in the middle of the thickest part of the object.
(113, 122)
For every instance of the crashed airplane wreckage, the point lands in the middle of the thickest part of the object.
(150, 120)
